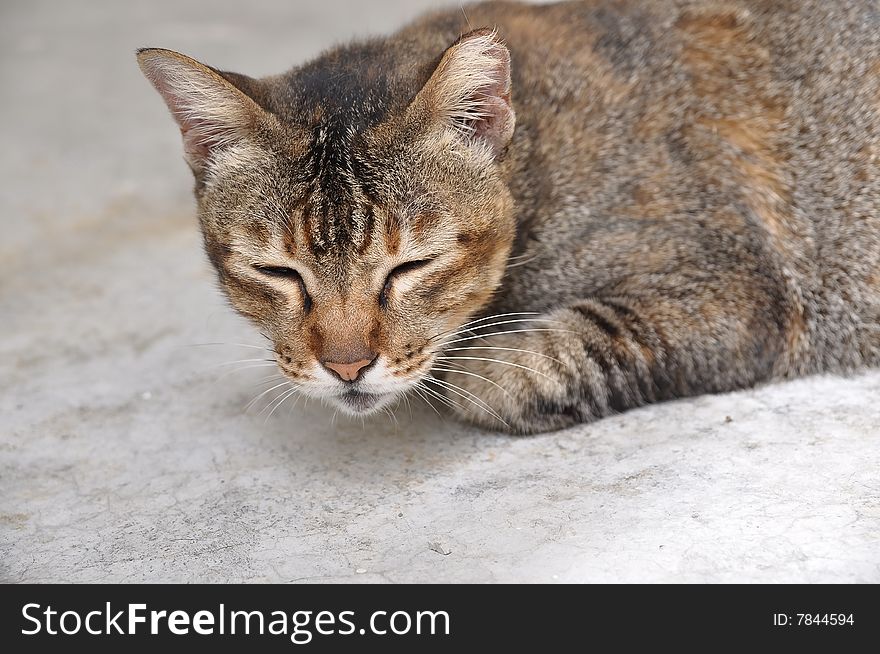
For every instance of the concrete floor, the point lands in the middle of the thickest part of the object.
(125, 455)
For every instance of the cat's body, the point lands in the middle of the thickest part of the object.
(689, 200)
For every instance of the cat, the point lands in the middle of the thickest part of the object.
(569, 211)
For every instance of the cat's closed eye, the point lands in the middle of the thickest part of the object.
(398, 271)
(291, 274)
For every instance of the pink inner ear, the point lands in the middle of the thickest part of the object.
(483, 112)
(195, 144)
(495, 123)
(202, 128)
(496, 126)
(199, 134)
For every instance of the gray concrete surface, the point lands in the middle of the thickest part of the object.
(125, 455)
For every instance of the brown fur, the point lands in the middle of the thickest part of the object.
(683, 192)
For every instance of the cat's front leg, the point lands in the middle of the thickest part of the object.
(495, 382)
(600, 356)
(527, 374)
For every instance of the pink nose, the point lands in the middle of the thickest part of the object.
(348, 371)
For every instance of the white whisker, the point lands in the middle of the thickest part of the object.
(507, 322)
(507, 349)
(391, 415)
(267, 364)
(230, 363)
(227, 373)
(284, 398)
(418, 392)
(520, 263)
(293, 406)
(441, 398)
(501, 361)
(492, 317)
(467, 395)
(256, 347)
(268, 390)
(473, 374)
(509, 331)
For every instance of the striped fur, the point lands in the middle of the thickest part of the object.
(658, 199)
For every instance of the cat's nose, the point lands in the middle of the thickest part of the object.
(348, 371)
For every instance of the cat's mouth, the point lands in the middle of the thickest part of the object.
(358, 402)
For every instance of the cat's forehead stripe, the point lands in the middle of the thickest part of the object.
(337, 211)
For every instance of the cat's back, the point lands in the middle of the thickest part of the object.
(656, 136)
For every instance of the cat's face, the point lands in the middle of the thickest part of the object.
(357, 295)
(358, 252)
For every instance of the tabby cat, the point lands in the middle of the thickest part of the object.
(570, 211)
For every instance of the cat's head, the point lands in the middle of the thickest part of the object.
(359, 228)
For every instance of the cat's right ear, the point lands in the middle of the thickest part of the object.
(469, 91)
(210, 111)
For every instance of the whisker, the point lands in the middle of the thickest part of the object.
(273, 401)
(293, 406)
(506, 363)
(422, 397)
(473, 374)
(284, 397)
(269, 378)
(268, 390)
(229, 363)
(227, 373)
(466, 19)
(256, 347)
(391, 415)
(477, 401)
(508, 349)
(520, 263)
(508, 322)
(500, 315)
(405, 397)
(458, 390)
(449, 402)
(276, 402)
(509, 331)
(492, 317)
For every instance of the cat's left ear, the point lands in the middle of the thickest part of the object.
(211, 112)
(469, 91)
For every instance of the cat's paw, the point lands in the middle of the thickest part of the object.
(510, 382)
